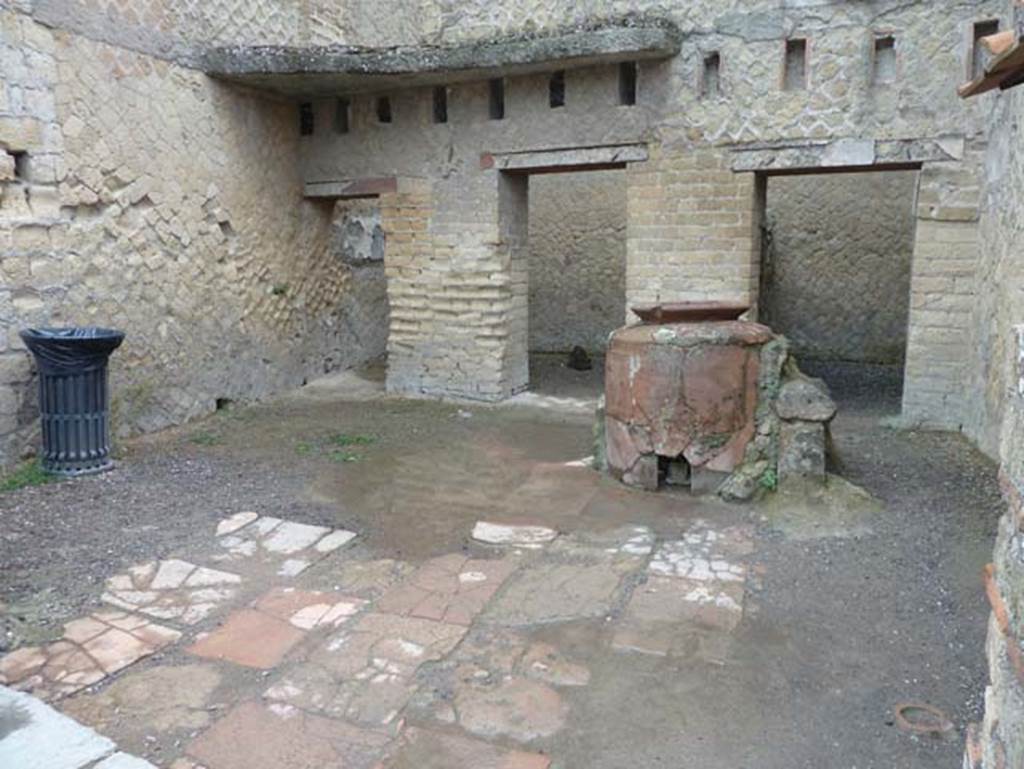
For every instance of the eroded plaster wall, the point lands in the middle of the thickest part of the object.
(837, 264)
(577, 259)
(153, 199)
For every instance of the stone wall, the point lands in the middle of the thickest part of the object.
(837, 264)
(997, 376)
(149, 198)
(458, 289)
(577, 259)
(692, 223)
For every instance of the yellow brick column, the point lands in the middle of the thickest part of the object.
(936, 390)
(693, 228)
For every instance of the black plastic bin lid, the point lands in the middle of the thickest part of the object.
(67, 350)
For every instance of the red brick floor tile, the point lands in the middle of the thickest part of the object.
(249, 638)
(425, 749)
(253, 736)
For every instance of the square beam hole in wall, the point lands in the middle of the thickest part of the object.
(306, 120)
(556, 89)
(627, 83)
(710, 82)
(383, 109)
(794, 75)
(979, 56)
(21, 166)
(441, 104)
(883, 65)
(496, 100)
(343, 116)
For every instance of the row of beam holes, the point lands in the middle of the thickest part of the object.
(883, 63)
(794, 73)
(794, 78)
(496, 101)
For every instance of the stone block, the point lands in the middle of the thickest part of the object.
(20, 133)
(14, 369)
(805, 399)
(802, 451)
(6, 167)
(705, 481)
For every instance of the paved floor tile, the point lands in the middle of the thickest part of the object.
(499, 683)
(452, 588)
(254, 736)
(250, 638)
(368, 579)
(694, 584)
(713, 604)
(172, 590)
(517, 708)
(556, 592)
(365, 672)
(91, 649)
(426, 749)
(306, 609)
(286, 548)
(155, 701)
(705, 554)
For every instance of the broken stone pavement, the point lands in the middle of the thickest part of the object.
(377, 671)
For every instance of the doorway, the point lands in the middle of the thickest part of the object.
(576, 277)
(835, 277)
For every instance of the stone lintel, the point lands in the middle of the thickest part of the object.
(571, 159)
(329, 70)
(846, 154)
(352, 188)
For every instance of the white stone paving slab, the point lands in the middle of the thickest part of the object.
(172, 590)
(517, 536)
(287, 548)
(704, 554)
(91, 648)
(124, 761)
(35, 736)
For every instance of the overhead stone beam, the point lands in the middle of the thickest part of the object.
(324, 69)
(570, 159)
(844, 154)
(351, 188)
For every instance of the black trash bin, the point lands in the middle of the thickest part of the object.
(73, 400)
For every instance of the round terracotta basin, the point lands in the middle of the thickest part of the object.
(689, 312)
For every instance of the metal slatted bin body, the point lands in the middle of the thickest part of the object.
(74, 401)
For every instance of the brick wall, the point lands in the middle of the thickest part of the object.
(942, 294)
(692, 229)
(457, 286)
(995, 383)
